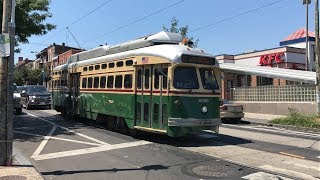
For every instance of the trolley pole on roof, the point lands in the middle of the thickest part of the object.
(317, 49)
(6, 82)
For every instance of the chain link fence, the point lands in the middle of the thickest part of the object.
(292, 93)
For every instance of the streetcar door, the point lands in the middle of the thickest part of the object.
(160, 97)
(144, 96)
(75, 92)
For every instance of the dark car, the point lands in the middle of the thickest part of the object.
(35, 96)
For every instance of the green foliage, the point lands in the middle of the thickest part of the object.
(30, 18)
(26, 76)
(181, 30)
(295, 118)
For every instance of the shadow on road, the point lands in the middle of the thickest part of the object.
(113, 170)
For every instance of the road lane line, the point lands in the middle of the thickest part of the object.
(292, 155)
(263, 175)
(102, 148)
(62, 127)
(57, 138)
(44, 142)
(288, 172)
(302, 165)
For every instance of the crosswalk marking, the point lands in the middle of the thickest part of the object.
(262, 176)
(288, 172)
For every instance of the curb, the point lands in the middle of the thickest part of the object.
(289, 127)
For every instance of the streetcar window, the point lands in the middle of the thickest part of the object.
(59, 72)
(165, 77)
(111, 65)
(119, 64)
(90, 82)
(146, 78)
(90, 68)
(118, 81)
(129, 63)
(55, 73)
(96, 82)
(103, 82)
(208, 79)
(128, 81)
(96, 67)
(84, 83)
(85, 69)
(164, 114)
(139, 80)
(156, 78)
(110, 82)
(104, 66)
(54, 84)
(185, 78)
(138, 111)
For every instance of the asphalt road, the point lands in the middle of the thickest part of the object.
(61, 149)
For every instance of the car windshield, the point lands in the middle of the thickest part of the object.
(208, 79)
(35, 89)
(185, 78)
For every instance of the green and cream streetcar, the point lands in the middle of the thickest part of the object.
(155, 83)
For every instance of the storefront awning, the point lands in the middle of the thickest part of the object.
(271, 72)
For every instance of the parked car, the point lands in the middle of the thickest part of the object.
(35, 96)
(231, 111)
(17, 100)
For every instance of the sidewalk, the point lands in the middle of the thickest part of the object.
(260, 118)
(21, 169)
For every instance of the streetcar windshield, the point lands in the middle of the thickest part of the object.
(208, 79)
(185, 78)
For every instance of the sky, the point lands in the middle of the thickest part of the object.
(222, 27)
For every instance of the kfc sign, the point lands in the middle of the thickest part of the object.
(267, 60)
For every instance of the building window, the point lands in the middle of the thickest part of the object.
(118, 81)
(110, 82)
(128, 81)
(96, 82)
(103, 82)
(264, 81)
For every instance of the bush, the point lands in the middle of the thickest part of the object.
(295, 118)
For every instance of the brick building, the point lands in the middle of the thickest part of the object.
(290, 55)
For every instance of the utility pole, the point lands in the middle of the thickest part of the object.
(307, 2)
(6, 86)
(317, 49)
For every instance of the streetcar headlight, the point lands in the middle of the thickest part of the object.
(204, 109)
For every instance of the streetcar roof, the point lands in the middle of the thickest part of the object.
(61, 67)
(167, 51)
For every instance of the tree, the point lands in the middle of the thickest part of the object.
(30, 17)
(182, 30)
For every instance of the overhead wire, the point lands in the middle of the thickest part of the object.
(133, 22)
(237, 15)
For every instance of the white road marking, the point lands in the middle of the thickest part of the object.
(62, 127)
(302, 165)
(288, 172)
(262, 175)
(44, 142)
(56, 138)
(102, 148)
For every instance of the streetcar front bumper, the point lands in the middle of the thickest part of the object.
(192, 122)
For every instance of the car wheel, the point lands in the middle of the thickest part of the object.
(28, 106)
(19, 111)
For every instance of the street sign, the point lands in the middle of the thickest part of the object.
(4, 45)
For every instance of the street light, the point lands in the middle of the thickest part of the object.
(43, 67)
(307, 2)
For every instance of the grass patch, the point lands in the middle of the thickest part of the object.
(297, 119)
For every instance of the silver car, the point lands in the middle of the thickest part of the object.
(17, 100)
(231, 111)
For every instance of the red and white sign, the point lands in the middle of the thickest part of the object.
(269, 59)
